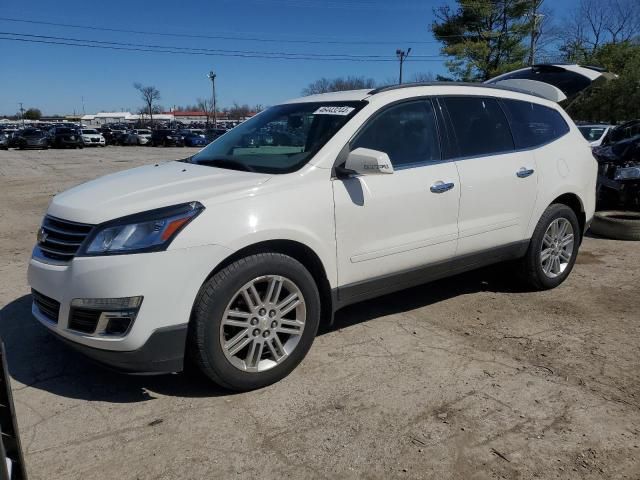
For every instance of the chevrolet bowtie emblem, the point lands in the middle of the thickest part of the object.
(42, 235)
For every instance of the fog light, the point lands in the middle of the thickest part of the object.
(104, 316)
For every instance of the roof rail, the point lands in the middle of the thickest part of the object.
(452, 84)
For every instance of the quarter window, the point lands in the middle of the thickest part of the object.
(480, 126)
(534, 125)
(406, 132)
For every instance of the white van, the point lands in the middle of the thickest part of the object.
(234, 256)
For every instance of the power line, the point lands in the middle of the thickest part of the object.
(151, 50)
(210, 50)
(249, 39)
(213, 37)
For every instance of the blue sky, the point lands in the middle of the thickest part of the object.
(55, 78)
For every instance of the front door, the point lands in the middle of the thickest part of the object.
(388, 224)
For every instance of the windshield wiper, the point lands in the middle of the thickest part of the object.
(226, 163)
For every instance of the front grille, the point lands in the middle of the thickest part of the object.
(61, 239)
(48, 307)
(84, 320)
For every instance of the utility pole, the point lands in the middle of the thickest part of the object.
(212, 77)
(402, 56)
(21, 113)
(535, 16)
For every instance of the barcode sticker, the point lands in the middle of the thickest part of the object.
(334, 111)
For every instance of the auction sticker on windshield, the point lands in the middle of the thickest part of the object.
(334, 111)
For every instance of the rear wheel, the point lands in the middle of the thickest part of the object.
(553, 248)
(254, 321)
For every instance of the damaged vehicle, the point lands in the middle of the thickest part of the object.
(618, 188)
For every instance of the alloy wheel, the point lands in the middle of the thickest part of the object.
(263, 323)
(557, 247)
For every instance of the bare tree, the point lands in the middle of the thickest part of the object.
(597, 22)
(149, 95)
(623, 20)
(206, 105)
(339, 84)
(422, 77)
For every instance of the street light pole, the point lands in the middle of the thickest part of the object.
(402, 56)
(212, 77)
(22, 113)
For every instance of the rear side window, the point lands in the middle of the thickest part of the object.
(534, 125)
(406, 132)
(480, 126)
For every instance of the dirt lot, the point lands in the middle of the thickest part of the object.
(468, 378)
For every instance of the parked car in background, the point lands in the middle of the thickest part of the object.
(120, 137)
(594, 134)
(108, 134)
(33, 138)
(138, 137)
(624, 131)
(92, 138)
(166, 138)
(213, 133)
(12, 137)
(619, 175)
(66, 137)
(192, 139)
(234, 257)
(4, 141)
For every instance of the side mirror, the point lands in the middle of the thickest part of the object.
(365, 161)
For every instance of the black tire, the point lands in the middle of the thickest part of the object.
(532, 271)
(619, 225)
(203, 345)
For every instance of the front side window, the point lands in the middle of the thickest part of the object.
(281, 139)
(534, 125)
(406, 132)
(479, 125)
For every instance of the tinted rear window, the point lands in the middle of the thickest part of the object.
(480, 126)
(534, 125)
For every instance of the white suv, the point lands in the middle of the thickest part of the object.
(234, 256)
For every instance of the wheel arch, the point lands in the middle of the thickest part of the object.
(574, 202)
(300, 252)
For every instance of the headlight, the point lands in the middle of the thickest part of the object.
(169, 137)
(627, 173)
(144, 232)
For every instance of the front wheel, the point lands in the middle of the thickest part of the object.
(254, 321)
(553, 248)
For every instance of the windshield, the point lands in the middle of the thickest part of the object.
(592, 133)
(279, 140)
(90, 132)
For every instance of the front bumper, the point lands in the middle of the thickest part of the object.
(169, 282)
(162, 353)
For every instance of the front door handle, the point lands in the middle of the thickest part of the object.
(441, 187)
(525, 172)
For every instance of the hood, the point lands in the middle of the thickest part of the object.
(153, 186)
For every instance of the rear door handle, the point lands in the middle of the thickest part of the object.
(441, 187)
(525, 172)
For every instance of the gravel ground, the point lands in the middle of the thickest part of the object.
(466, 378)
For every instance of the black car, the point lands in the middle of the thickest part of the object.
(109, 135)
(32, 138)
(66, 138)
(4, 141)
(619, 175)
(166, 138)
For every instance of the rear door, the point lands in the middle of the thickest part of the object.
(498, 183)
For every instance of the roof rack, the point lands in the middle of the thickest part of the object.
(452, 84)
